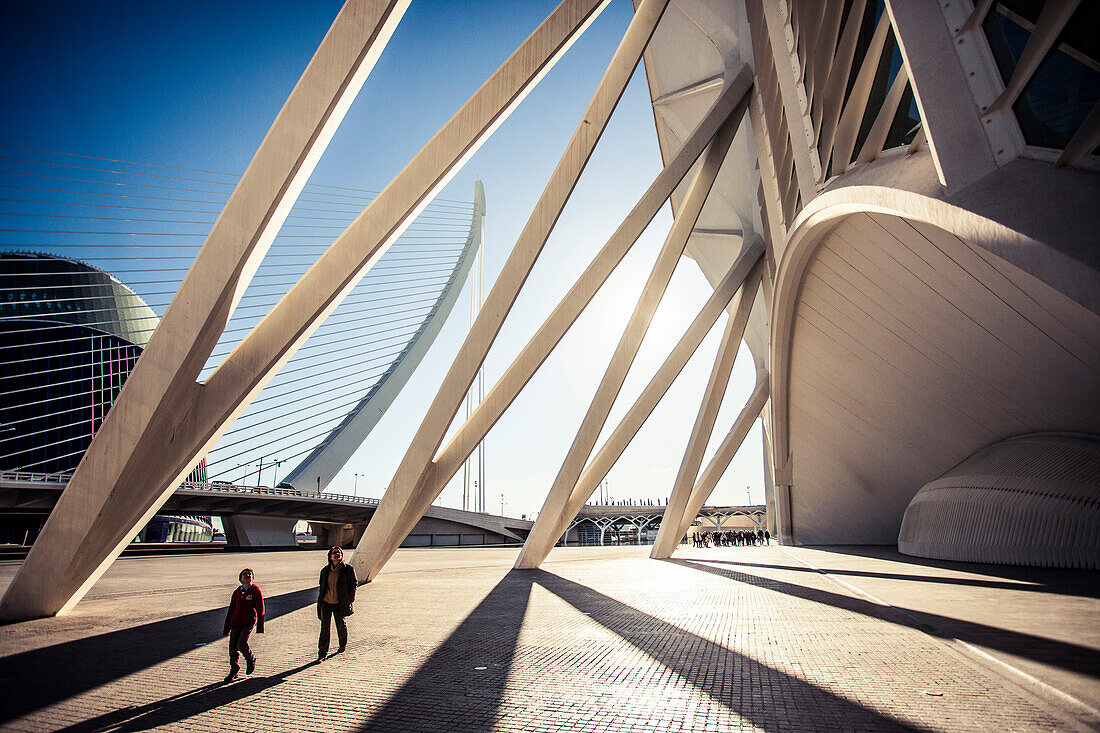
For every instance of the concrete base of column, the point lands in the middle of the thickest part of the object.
(333, 535)
(244, 531)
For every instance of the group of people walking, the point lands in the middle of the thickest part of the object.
(335, 601)
(732, 538)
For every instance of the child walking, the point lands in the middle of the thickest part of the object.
(246, 609)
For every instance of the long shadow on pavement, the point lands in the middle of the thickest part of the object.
(35, 679)
(180, 707)
(1056, 581)
(461, 685)
(1074, 657)
(741, 683)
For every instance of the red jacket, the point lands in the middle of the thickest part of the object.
(246, 608)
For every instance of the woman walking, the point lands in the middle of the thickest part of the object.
(335, 596)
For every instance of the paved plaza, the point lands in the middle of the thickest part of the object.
(600, 639)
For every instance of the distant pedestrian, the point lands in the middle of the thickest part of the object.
(335, 598)
(767, 537)
(246, 610)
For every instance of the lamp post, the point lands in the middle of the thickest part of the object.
(748, 490)
(275, 475)
(502, 505)
(355, 485)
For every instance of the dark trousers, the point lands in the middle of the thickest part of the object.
(329, 611)
(238, 644)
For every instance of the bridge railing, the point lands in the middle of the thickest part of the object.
(268, 491)
(63, 478)
(51, 478)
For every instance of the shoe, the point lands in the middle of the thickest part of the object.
(321, 656)
(342, 649)
(250, 665)
(231, 676)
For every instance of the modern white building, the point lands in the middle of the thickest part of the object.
(924, 178)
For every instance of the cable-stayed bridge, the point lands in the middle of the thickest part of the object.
(91, 252)
(272, 512)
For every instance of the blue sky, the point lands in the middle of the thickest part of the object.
(198, 84)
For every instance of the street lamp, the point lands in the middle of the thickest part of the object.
(275, 475)
(502, 505)
(748, 490)
(355, 485)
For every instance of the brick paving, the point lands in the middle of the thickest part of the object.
(599, 640)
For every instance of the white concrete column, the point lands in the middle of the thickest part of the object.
(796, 108)
(949, 113)
(669, 534)
(741, 281)
(248, 531)
(516, 376)
(726, 451)
(554, 509)
(404, 501)
(146, 445)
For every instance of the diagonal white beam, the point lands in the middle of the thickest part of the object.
(668, 536)
(1084, 140)
(542, 536)
(477, 426)
(85, 531)
(133, 481)
(807, 166)
(1048, 27)
(880, 129)
(317, 469)
(850, 119)
(725, 453)
(402, 505)
(836, 83)
(735, 282)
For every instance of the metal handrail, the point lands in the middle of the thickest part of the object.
(63, 478)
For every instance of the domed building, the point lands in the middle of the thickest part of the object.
(69, 336)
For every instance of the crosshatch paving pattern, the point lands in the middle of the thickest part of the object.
(601, 639)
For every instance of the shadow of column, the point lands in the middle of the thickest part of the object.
(1065, 655)
(38, 678)
(461, 685)
(744, 685)
(180, 707)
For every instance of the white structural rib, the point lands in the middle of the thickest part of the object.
(880, 129)
(477, 426)
(167, 421)
(725, 453)
(112, 491)
(325, 461)
(1084, 141)
(848, 128)
(836, 84)
(543, 533)
(807, 166)
(1052, 20)
(669, 533)
(733, 283)
(404, 502)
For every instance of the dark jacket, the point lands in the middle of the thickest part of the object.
(345, 589)
(246, 608)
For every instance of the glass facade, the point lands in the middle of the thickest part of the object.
(69, 336)
(1066, 86)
